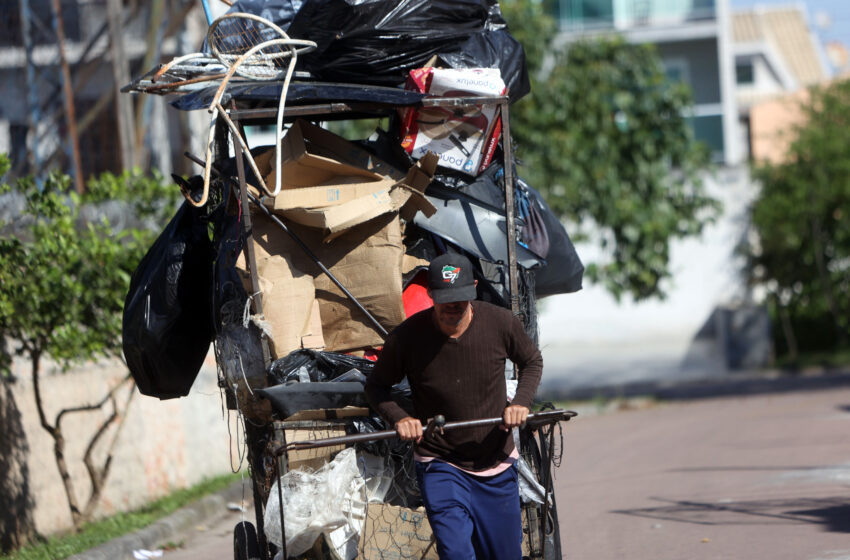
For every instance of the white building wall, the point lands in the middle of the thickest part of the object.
(588, 339)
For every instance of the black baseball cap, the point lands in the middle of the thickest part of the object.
(450, 279)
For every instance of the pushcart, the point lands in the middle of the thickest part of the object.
(268, 454)
(276, 415)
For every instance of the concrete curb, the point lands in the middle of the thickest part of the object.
(171, 527)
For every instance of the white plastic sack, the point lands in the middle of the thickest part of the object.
(331, 500)
(317, 502)
(529, 489)
(377, 474)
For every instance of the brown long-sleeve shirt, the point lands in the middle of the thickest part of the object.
(462, 379)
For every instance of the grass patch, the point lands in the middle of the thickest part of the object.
(103, 530)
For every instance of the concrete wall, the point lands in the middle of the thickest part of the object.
(163, 445)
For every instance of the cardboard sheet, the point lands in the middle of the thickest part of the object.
(319, 168)
(366, 260)
(406, 196)
(288, 292)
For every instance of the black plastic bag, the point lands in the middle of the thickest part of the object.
(493, 49)
(315, 366)
(167, 326)
(564, 270)
(379, 41)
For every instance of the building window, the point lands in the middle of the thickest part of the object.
(744, 73)
(677, 70)
(586, 13)
(18, 145)
(709, 129)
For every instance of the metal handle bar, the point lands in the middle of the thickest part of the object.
(534, 419)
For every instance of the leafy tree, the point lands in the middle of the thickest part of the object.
(802, 252)
(603, 135)
(64, 274)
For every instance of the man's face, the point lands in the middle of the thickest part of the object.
(450, 315)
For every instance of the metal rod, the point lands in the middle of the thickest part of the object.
(173, 85)
(380, 328)
(355, 106)
(250, 257)
(461, 101)
(546, 417)
(507, 150)
(278, 461)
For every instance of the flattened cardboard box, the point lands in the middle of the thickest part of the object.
(366, 259)
(396, 533)
(405, 195)
(319, 168)
(287, 290)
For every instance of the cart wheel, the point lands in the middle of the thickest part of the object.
(540, 533)
(245, 544)
(551, 528)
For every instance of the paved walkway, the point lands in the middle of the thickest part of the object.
(758, 477)
(747, 477)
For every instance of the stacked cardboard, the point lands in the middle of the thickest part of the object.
(344, 204)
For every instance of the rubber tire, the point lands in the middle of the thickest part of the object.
(245, 543)
(547, 529)
(552, 531)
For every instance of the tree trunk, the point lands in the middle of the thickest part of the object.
(825, 280)
(58, 442)
(17, 526)
(787, 331)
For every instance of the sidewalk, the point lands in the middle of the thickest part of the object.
(177, 526)
(645, 431)
(736, 477)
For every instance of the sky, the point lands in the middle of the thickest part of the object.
(829, 18)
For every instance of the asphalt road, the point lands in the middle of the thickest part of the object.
(757, 477)
(764, 477)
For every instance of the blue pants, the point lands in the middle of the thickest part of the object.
(472, 517)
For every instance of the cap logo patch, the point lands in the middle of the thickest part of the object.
(450, 273)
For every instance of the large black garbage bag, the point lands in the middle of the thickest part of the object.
(564, 270)
(493, 49)
(379, 41)
(314, 366)
(167, 326)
